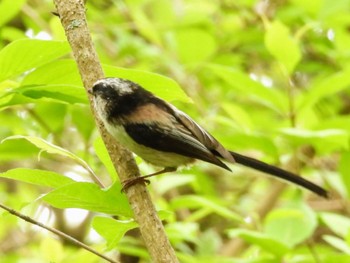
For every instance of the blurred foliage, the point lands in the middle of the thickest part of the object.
(268, 78)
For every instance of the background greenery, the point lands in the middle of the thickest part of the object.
(268, 79)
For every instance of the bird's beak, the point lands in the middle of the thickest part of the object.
(90, 91)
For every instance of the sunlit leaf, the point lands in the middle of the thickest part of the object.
(341, 122)
(38, 177)
(238, 114)
(262, 240)
(282, 45)
(111, 229)
(52, 249)
(324, 87)
(102, 153)
(54, 114)
(290, 226)
(145, 26)
(16, 150)
(83, 120)
(312, 7)
(22, 55)
(8, 9)
(50, 148)
(332, 9)
(242, 83)
(337, 243)
(182, 231)
(90, 197)
(194, 45)
(11, 33)
(193, 201)
(339, 224)
(59, 72)
(43, 145)
(11, 99)
(324, 140)
(171, 181)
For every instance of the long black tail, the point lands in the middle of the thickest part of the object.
(278, 172)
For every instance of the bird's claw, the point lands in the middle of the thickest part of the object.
(130, 182)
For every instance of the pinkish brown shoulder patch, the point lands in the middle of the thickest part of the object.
(150, 113)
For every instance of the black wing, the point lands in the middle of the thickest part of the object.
(171, 139)
(201, 134)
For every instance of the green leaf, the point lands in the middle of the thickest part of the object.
(53, 114)
(171, 181)
(282, 46)
(290, 226)
(90, 197)
(10, 99)
(8, 9)
(215, 206)
(208, 243)
(323, 141)
(16, 150)
(59, 72)
(182, 231)
(337, 243)
(243, 84)
(239, 115)
(311, 7)
(61, 93)
(194, 45)
(25, 54)
(83, 120)
(37, 177)
(344, 171)
(51, 148)
(262, 240)
(324, 87)
(341, 122)
(163, 13)
(162, 86)
(51, 250)
(102, 153)
(111, 229)
(339, 224)
(332, 9)
(145, 26)
(43, 145)
(11, 33)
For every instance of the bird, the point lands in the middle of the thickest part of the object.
(164, 136)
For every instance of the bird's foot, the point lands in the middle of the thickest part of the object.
(132, 181)
(142, 179)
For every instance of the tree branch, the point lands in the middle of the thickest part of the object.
(72, 16)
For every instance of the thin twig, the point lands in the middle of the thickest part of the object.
(57, 232)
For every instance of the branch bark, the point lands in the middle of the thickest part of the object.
(72, 16)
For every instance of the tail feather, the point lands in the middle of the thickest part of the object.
(278, 172)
